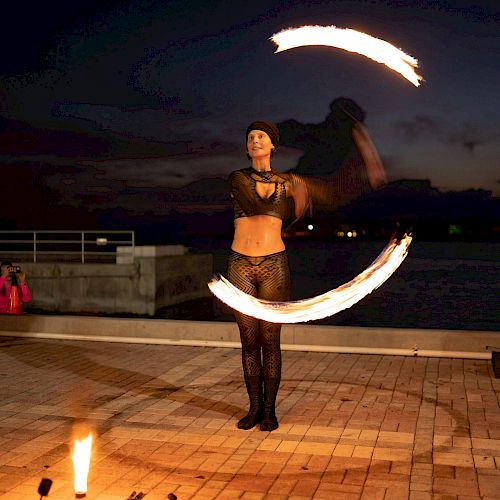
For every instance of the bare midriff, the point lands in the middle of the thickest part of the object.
(257, 235)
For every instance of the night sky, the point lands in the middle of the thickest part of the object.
(138, 94)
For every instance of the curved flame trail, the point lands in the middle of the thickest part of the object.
(353, 41)
(323, 305)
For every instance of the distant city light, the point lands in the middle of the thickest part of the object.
(350, 233)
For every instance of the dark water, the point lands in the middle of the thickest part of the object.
(449, 285)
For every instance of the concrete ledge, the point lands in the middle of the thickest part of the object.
(126, 255)
(165, 277)
(396, 341)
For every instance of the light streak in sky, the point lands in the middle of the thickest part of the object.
(320, 306)
(353, 41)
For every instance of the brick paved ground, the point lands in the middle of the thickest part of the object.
(352, 426)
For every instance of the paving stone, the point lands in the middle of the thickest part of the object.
(352, 426)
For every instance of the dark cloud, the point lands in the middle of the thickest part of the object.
(161, 91)
(468, 136)
(419, 127)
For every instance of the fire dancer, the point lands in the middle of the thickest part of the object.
(258, 263)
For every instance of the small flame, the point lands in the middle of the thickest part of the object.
(81, 463)
(321, 306)
(353, 41)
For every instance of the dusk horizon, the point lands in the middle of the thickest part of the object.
(143, 95)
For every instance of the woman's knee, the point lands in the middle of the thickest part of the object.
(250, 344)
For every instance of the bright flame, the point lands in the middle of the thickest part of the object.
(81, 463)
(321, 306)
(352, 41)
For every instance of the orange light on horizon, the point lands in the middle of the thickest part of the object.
(81, 463)
(353, 41)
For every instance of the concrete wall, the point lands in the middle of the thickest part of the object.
(392, 341)
(152, 278)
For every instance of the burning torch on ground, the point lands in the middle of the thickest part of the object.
(81, 463)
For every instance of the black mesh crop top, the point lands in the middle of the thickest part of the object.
(247, 202)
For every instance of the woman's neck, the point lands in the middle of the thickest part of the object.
(261, 164)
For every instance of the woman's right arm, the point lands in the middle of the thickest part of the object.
(241, 191)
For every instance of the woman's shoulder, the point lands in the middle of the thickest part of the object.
(240, 174)
(281, 175)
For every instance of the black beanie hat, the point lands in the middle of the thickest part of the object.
(268, 127)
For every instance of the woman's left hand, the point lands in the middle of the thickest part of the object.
(21, 277)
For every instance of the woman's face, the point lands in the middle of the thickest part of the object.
(259, 144)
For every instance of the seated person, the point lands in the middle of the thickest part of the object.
(8, 278)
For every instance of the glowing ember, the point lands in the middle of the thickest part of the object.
(353, 41)
(81, 463)
(321, 306)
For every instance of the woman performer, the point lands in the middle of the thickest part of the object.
(258, 265)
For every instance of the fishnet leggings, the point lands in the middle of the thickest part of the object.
(267, 278)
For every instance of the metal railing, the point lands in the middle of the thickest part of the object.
(83, 246)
